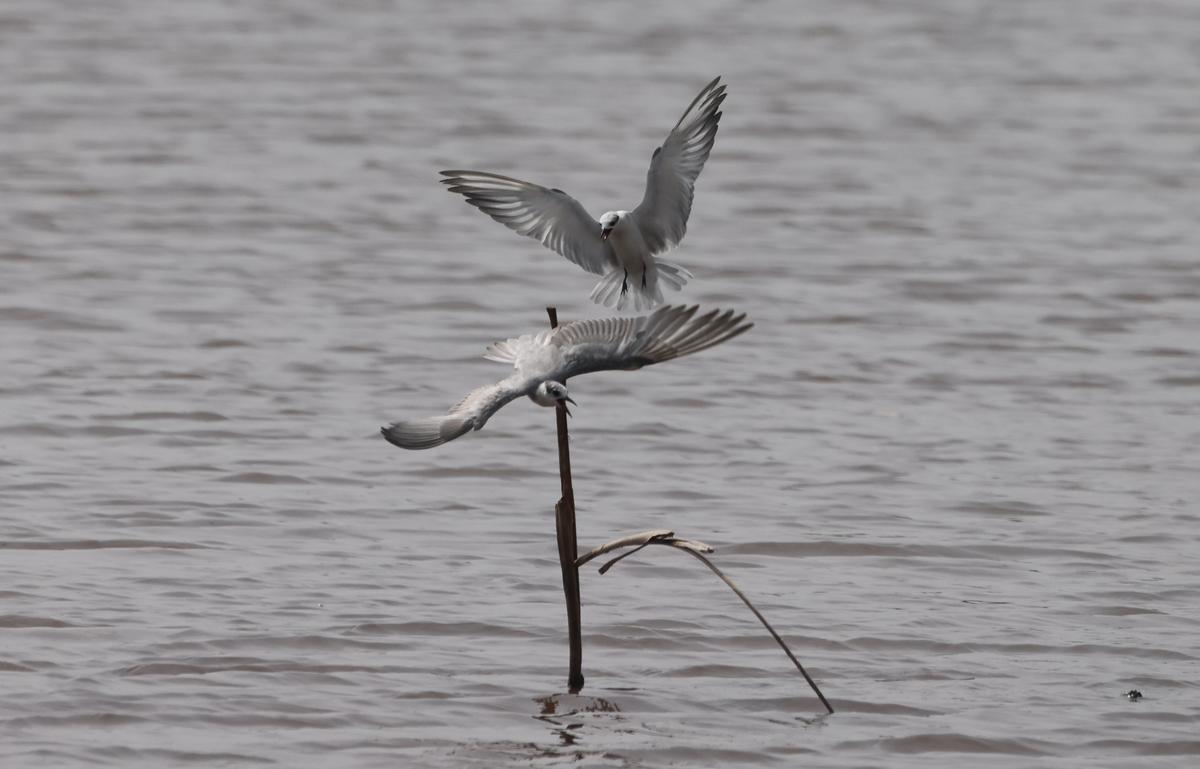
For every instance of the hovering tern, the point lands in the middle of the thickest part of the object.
(622, 245)
(541, 362)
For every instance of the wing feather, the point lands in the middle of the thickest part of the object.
(424, 433)
(549, 216)
(470, 413)
(703, 332)
(662, 215)
(630, 343)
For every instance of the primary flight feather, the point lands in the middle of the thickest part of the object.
(542, 362)
(621, 245)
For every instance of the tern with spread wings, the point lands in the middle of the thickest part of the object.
(542, 362)
(622, 245)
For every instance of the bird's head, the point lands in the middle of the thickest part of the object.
(608, 222)
(551, 393)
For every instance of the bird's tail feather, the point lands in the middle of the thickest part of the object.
(672, 274)
(502, 352)
(425, 433)
(608, 291)
(644, 297)
(671, 332)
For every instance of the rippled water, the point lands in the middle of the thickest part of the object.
(955, 461)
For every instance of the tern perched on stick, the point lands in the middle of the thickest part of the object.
(542, 361)
(621, 245)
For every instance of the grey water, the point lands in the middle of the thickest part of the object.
(955, 461)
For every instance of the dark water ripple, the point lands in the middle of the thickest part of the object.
(953, 462)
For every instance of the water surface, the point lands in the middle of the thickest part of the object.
(954, 462)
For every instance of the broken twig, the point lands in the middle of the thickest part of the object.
(697, 549)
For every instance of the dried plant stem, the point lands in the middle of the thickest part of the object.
(642, 539)
(697, 549)
(564, 526)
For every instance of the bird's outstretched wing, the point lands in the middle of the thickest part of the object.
(550, 216)
(471, 413)
(670, 183)
(630, 343)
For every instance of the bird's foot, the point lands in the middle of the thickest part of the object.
(625, 284)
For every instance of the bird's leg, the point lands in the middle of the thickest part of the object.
(625, 283)
(643, 273)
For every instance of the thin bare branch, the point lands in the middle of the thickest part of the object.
(632, 539)
(697, 549)
(654, 536)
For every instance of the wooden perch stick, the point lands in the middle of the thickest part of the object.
(564, 526)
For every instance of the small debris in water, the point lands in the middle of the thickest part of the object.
(1134, 695)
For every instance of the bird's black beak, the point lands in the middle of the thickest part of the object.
(564, 403)
(604, 232)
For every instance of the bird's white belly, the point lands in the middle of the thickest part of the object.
(630, 250)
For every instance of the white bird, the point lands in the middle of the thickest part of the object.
(621, 245)
(542, 362)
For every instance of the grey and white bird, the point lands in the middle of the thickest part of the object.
(622, 245)
(542, 362)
